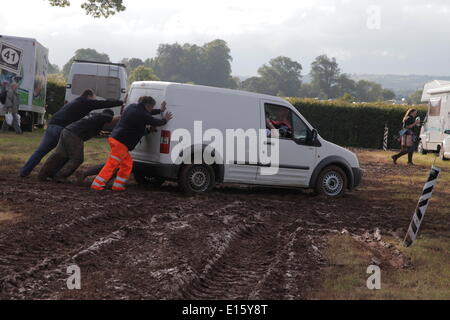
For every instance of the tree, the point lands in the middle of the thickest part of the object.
(142, 73)
(282, 77)
(325, 73)
(53, 68)
(95, 8)
(206, 65)
(347, 97)
(388, 94)
(217, 61)
(85, 54)
(344, 85)
(132, 63)
(308, 90)
(255, 84)
(367, 91)
(416, 97)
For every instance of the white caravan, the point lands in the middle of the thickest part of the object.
(25, 61)
(108, 80)
(305, 159)
(435, 133)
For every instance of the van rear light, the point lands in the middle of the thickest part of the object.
(165, 142)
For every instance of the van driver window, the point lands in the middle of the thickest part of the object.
(279, 118)
(288, 124)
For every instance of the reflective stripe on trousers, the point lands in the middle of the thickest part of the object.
(119, 158)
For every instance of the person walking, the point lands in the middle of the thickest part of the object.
(125, 137)
(70, 113)
(12, 106)
(69, 153)
(407, 136)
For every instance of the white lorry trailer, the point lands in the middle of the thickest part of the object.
(25, 60)
(435, 133)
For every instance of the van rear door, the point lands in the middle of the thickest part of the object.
(148, 149)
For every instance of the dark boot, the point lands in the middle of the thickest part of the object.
(394, 158)
(410, 158)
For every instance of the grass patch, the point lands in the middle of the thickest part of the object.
(345, 277)
(16, 149)
(429, 276)
(7, 216)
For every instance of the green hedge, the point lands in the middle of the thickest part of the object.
(355, 125)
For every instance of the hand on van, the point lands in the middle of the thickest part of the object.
(163, 107)
(168, 116)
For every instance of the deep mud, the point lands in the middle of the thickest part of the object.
(234, 243)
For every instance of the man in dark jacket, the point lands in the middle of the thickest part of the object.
(69, 154)
(125, 137)
(71, 112)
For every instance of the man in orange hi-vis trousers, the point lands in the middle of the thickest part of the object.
(124, 139)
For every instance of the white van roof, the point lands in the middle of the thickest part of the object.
(164, 85)
(435, 87)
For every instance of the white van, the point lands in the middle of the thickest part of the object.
(435, 132)
(305, 159)
(108, 80)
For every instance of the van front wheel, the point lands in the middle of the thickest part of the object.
(196, 179)
(332, 182)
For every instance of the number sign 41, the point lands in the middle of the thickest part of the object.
(10, 57)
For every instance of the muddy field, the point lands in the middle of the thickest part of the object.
(235, 243)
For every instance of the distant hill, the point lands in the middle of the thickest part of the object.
(402, 85)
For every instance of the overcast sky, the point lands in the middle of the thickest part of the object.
(393, 37)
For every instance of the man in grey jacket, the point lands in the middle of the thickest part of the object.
(12, 106)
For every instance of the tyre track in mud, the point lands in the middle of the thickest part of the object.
(51, 240)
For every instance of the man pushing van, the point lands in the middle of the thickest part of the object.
(70, 113)
(125, 137)
(69, 154)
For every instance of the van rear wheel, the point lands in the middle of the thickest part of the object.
(196, 179)
(332, 182)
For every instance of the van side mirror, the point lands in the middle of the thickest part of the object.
(447, 131)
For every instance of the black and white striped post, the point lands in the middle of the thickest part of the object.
(422, 206)
(386, 135)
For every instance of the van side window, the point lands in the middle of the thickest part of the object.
(280, 118)
(104, 87)
(300, 129)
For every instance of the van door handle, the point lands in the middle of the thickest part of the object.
(268, 143)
